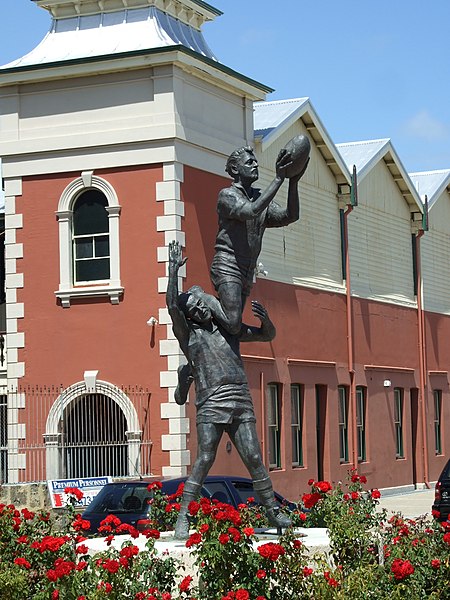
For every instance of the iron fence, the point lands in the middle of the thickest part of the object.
(47, 434)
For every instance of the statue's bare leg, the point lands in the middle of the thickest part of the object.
(228, 309)
(208, 436)
(245, 438)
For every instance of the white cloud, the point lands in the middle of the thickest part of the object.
(424, 126)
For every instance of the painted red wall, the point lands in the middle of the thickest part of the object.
(61, 343)
(311, 326)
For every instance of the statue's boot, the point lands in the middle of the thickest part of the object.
(191, 492)
(184, 383)
(274, 515)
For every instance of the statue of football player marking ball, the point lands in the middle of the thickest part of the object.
(244, 214)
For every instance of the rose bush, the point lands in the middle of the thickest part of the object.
(370, 555)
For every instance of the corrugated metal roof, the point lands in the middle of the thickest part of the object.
(366, 154)
(270, 115)
(112, 33)
(362, 153)
(431, 184)
(271, 119)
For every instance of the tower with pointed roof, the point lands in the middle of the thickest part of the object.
(113, 129)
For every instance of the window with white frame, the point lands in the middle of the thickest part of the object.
(398, 422)
(88, 220)
(90, 238)
(437, 394)
(274, 425)
(361, 422)
(343, 423)
(297, 424)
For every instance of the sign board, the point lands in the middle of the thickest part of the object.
(90, 486)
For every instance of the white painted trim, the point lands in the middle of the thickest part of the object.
(52, 428)
(67, 290)
(14, 339)
(175, 442)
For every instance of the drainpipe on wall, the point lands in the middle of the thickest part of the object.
(263, 418)
(350, 357)
(349, 320)
(422, 349)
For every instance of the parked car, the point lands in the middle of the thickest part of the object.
(442, 494)
(128, 500)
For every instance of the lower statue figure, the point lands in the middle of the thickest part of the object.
(223, 399)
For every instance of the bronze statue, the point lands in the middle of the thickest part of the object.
(244, 214)
(223, 399)
(210, 330)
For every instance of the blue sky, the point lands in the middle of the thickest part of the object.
(372, 69)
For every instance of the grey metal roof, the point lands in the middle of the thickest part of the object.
(362, 154)
(270, 115)
(272, 118)
(431, 184)
(366, 154)
(117, 32)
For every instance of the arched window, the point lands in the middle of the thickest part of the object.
(88, 220)
(91, 237)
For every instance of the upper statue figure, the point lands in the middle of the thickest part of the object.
(244, 213)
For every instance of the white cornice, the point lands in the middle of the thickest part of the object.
(188, 11)
(209, 70)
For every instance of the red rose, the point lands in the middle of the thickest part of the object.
(401, 569)
(194, 539)
(242, 595)
(73, 491)
(376, 494)
(436, 563)
(310, 500)
(323, 486)
(193, 508)
(111, 565)
(224, 538)
(234, 534)
(155, 485)
(363, 479)
(271, 550)
(184, 585)
(261, 574)
(22, 562)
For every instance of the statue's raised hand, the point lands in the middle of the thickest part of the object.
(176, 259)
(284, 161)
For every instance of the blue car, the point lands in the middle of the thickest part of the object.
(129, 500)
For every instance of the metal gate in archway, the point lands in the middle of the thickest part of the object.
(94, 439)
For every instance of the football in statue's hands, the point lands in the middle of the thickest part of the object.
(299, 148)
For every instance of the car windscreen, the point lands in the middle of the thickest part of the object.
(120, 497)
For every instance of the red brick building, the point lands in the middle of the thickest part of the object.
(115, 133)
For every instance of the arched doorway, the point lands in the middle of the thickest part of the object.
(94, 440)
(92, 434)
